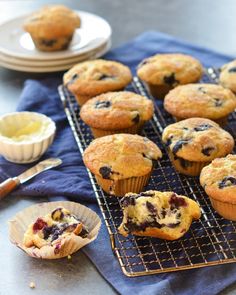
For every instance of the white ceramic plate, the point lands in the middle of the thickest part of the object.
(53, 68)
(48, 63)
(14, 42)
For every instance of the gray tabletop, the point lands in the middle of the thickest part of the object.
(209, 23)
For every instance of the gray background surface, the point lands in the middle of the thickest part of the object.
(209, 23)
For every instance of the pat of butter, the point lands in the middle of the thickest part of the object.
(29, 132)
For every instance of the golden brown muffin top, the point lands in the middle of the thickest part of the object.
(96, 77)
(171, 69)
(197, 139)
(121, 156)
(200, 100)
(219, 179)
(52, 21)
(228, 76)
(116, 110)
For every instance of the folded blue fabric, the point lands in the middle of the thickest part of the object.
(71, 181)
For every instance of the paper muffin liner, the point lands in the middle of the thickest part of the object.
(226, 210)
(158, 91)
(136, 129)
(61, 247)
(187, 167)
(59, 43)
(120, 187)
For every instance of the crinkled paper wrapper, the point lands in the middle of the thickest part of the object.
(69, 244)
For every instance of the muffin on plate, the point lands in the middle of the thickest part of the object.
(117, 112)
(163, 72)
(193, 143)
(228, 76)
(121, 163)
(219, 181)
(52, 27)
(200, 100)
(163, 215)
(91, 78)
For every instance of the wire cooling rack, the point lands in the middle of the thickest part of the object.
(210, 240)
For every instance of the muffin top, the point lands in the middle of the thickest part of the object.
(96, 77)
(219, 179)
(116, 110)
(197, 139)
(170, 69)
(52, 21)
(121, 156)
(228, 75)
(200, 100)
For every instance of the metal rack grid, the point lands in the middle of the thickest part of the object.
(210, 240)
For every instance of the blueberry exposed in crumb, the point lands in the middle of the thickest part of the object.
(73, 78)
(202, 127)
(102, 104)
(201, 89)
(144, 62)
(39, 224)
(105, 171)
(163, 212)
(83, 233)
(207, 151)
(48, 42)
(227, 181)
(169, 140)
(232, 70)
(177, 202)
(173, 225)
(179, 145)
(57, 214)
(136, 119)
(185, 128)
(151, 208)
(128, 201)
(218, 102)
(146, 194)
(105, 77)
(170, 80)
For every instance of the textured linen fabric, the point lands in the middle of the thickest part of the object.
(70, 180)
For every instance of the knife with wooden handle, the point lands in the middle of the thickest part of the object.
(11, 183)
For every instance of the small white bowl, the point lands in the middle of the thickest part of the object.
(25, 136)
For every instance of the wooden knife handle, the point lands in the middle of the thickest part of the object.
(8, 185)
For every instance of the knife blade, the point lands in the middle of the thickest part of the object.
(11, 183)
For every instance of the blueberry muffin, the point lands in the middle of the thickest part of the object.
(163, 215)
(52, 27)
(91, 78)
(200, 100)
(219, 181)
(117, 112)
(163, 72)
(53, 228)
(228, 76)
(193, 143)
(121, 163)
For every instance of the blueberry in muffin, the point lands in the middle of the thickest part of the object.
(228, 76)
(117, 112)
(163, 215)
(193, 143)
(91, 78)
(163, 72)
(219, 182)
(52, 27)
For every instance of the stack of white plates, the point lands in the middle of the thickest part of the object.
(18, 52)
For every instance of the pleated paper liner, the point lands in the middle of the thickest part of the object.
(135, 129)
(60, 247)
(226, 210)
(120, 187)
(187, 167)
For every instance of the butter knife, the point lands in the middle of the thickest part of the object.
(11, 183)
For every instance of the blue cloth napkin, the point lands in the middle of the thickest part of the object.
(71, 181)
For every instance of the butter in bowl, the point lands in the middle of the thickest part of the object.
(25, 136)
